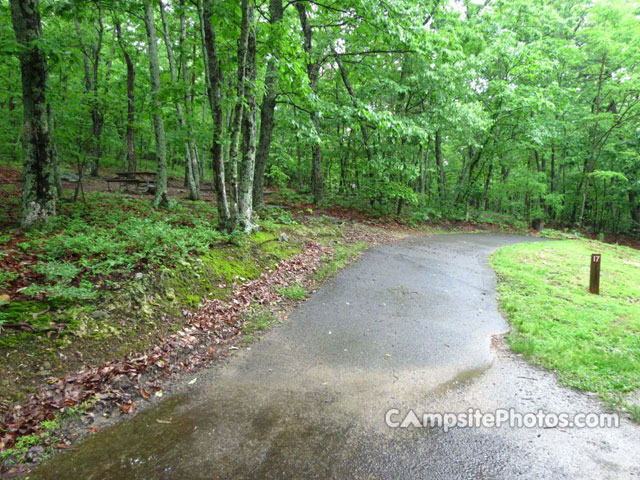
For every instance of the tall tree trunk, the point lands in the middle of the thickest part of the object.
(487, 182)
(213, 72)
(131, 105)
(313, 71)
(38, 196)
(267, 111)
(590, 164)
(57, 180)
(363, 126)
(191, 174)
(635, 209)
(236, 125)
(193, 161)
(161, 197)
(91, 63)
(439, 163)
(553, 169)
(247, 169)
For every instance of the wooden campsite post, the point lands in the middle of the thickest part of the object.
(594, 279)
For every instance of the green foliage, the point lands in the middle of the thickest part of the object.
(6, 277)
(294, 291)
(342, 256)
(257, 322)
(526, 125)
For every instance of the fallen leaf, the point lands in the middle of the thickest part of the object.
(127, 408)
(163, 421)
(144, 394)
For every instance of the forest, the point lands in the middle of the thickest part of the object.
(177, 176)
(455, 109)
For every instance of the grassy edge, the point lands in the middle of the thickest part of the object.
(523, 341)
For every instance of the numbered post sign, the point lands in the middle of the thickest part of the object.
(594, 278)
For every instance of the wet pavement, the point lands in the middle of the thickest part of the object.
(408, 326)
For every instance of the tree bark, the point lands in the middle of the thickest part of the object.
(635, 209)
(191, 169)
(247, 169)
(131, 105)
(161, 197)
(213, 73)
(236, 125)
(38, 196)
(313, 71)
(91, 63)
(487, 182)
(590, 163)
(440, 166)
(267, 111)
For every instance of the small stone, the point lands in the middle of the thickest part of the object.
(138, 276)
(284, 237)
(99, 315)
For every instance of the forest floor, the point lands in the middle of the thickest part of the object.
(102, 308)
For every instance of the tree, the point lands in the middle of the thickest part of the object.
(213, 72)
(38, 197)
(131, 101)
(267, 108)
(313, 72)
(161, 197)
(510, 108)
(245, 193)
(190, 151)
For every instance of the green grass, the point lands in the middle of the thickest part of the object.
(258, 322)
(591, 341)
(294, 291)
(341, 257)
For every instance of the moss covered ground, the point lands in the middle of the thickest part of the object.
(111, 276)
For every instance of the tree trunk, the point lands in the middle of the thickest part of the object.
(247, 169)
(313, 70)
(91, 63)
(161, 197)
(190, 173)
(267, 111)
(193, 161)
(131, 105)
(57, 180)
(236, 125)
(487, 182)
(213, 73)
(439, 164)
(38, 196)
(635, 209)
(591, 162)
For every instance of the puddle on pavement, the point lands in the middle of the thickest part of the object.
(460, 380)
(234, 431)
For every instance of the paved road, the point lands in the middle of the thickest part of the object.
(408, 326)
